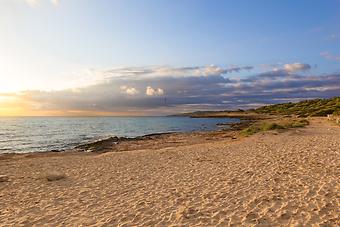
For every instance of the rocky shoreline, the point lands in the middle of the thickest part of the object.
(153, 141)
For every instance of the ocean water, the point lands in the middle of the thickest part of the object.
(39, 134)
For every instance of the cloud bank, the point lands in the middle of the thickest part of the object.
(162, 90)
(164, 71)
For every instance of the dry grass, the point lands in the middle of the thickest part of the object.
(281, 124)
(334, 118)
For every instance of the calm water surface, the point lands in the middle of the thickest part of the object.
(33, 134)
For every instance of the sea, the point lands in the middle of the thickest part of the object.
(41, 134)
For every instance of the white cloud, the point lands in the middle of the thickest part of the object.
(295, 67)
(55, 2)
(330, 56)
(209, 70)
(154, 92)
(35, 3)
(32, 2)
(128, 90)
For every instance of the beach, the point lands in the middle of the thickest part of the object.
(288, 178)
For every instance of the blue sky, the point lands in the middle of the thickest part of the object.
(51, 45)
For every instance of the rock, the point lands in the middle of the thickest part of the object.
(54, 176)
(101, 145)
(4, 178)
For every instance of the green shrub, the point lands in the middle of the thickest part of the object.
(250, 130)
(315, 107)
(268, 126)
(297, 124)
(321, 113)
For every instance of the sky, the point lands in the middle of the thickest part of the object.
(156, 57)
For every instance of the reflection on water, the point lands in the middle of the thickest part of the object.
(31, 134)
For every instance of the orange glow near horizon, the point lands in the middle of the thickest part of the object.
(6, 112)
(11, 106)
(19, 111)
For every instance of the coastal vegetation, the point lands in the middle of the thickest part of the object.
(263, 126)
(306, 108)
(277, 116)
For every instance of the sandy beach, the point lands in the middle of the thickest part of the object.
(268, 179)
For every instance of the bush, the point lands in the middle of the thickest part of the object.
(321, 113)
(270, 126)
(250, 130)
(297, 124)
(267, 126)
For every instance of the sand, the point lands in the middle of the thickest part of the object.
(269, 179)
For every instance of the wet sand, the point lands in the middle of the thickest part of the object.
(269, 179)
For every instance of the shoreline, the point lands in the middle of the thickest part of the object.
(122, 144)
(157, 140)
(105, 144)
(150, 141)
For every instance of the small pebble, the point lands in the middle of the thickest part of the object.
(4, 178)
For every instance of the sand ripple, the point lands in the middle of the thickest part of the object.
(264, 180)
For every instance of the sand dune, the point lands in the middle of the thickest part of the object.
(269, 179)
